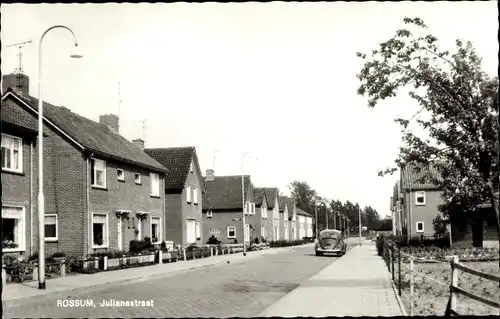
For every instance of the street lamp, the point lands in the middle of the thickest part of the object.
(41, 196)
(359, 218)
(243, 203)
(316, 216)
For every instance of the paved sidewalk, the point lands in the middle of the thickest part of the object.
(357, 284)
(28, 289)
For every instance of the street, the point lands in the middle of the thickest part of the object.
(226, 290)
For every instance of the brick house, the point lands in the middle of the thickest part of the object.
(284, 224)
(261, 204)
(273, 211)
(290, 223)
(101, 190)
(223, 208)
(305, 222)
(184, 187)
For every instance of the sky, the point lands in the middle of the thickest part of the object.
(276, 79)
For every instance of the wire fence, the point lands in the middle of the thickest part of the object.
(426, 286)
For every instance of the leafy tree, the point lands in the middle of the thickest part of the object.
(462, 101)
(372, 217)
(303, 195)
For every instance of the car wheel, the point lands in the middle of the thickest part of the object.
(319, 254)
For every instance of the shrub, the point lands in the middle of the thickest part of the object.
(380, 244)
(213, 240)
(58, 254)
(114, 253)
(256, 240)
(139, 246)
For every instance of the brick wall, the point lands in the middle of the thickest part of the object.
(174, 218)
(126, 195)
(221, 220)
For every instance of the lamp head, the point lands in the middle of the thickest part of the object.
(76, 54)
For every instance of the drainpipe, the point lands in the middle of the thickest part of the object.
(31, 197)
(89, 216)
(410, 222)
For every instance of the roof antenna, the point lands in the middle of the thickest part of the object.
(19, 70)
(119, 100)
(214, 152)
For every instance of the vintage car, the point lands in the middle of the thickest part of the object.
(330, 241)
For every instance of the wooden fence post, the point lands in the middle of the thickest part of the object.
(412, 286)
(454, 282)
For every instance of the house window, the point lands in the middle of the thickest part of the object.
(99, 230)
(13, 229)
(420, 198)
(120, 174)
(263, 231)
(137, 178)
(195, 195)
(420, 227)
(12, 153)
(231, 232)
(198, 231)
(247, 232)
(276, 231)
(191, 231)
(191, 167)
(188, 194)
(209, 214)
(50, 227)
(263, 212)
(155, 230)
(155, 184)
(98, 174)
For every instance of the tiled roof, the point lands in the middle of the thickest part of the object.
(285, 200)
(178, 161)
(224, 192)
(13, 115)
(413, 179)
(271, 194)
(303, 213)
(95, 137)
(282, 201)
(259, 195)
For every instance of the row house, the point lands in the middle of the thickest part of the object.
(289, 218)
(261, 203)
(305, 224)
(184, 189)
(273, 210)
(223, 209)
(101, 190)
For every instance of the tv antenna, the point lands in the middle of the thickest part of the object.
(214, 153)
(143, 128)
(119, 100)
(19, 69)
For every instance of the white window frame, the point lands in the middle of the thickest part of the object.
(263, 231)
(197, 230)
(105, 242)
(21, 217)
(138, 181)
(246, 236)
(155, 189)
(52, 239)
(188, 194)
(263, 212)
(252, 211)
(420, 194)
(159, 229)
(119, 233)
(416, 227)
(20, 169)
(188, 220)
(247, 208)
(94, 162)
(233, 229)
(209, 213)
(191, 167)
(195, 195)
(118, 175)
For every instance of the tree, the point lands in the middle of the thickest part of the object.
(371, 217)
(303, 195)
(462, 103)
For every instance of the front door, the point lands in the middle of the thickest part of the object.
(120, 234)
(191, 231)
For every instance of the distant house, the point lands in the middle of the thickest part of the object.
(273, 210)
(304, 223)
(261, 206)
(292, 226)
(223, 208)
(101, 190)
(284, 223)
(184, 187)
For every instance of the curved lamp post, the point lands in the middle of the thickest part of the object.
(41, 196)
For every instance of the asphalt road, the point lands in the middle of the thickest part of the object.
(227, 290)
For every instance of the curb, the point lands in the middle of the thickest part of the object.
(400, 302)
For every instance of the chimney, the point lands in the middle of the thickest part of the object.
(111, 121)
(139, 143)
(210, 176)
(19, 82)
